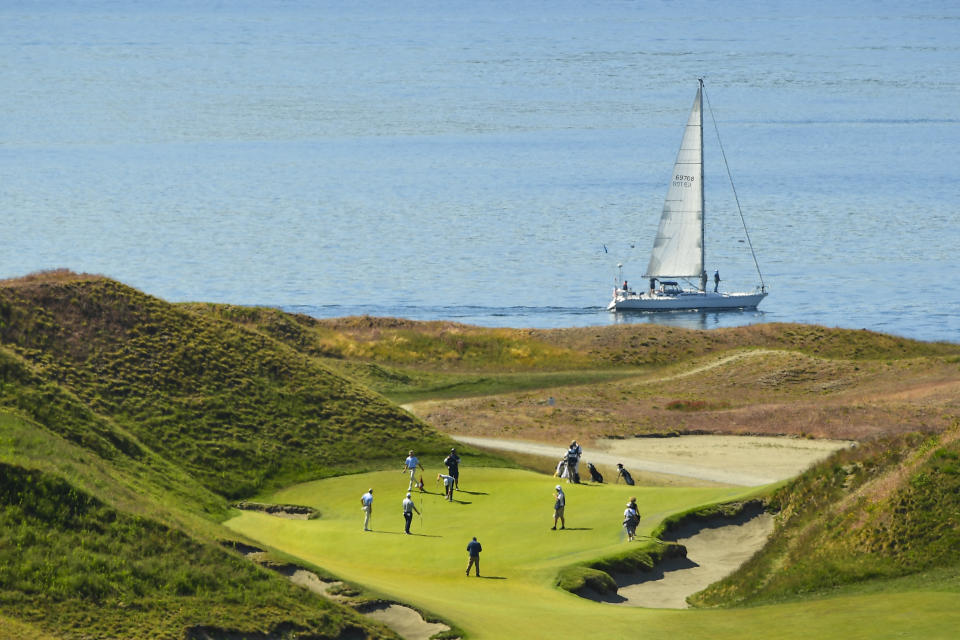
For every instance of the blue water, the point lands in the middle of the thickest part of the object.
(488, 162)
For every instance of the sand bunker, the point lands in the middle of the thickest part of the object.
(736, 460)
(406, 622)
(714, 550)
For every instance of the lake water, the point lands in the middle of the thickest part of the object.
(488, 162)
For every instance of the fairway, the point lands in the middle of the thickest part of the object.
(510, 512)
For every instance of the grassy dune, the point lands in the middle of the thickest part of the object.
(237, 409)
(510, 513)
(886, 509)
(634, 379)
(125, 425)
(128, 424)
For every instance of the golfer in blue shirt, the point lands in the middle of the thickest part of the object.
(474, 549)
(411, 464)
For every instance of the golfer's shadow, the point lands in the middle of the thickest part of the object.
(577, 529)
(473, 493)
(401, 533)
(491, 577)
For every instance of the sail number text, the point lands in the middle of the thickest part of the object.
(682, 181)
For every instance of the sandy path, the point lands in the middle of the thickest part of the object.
(752, 353)
(736, 460)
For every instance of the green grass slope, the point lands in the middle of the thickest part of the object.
(73, 567)
(887, 509)
(236, 409)
(126, 424)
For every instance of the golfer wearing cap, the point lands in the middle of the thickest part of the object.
(366, 503)
(631, 518)
(408, 509)
(447, 485)
(559, 502)
(453, 467)
(411, 464)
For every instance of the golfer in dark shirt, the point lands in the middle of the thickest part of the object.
(453, 467)
(474, 549)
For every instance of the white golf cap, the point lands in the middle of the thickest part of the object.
(558, 488)
(408, 494)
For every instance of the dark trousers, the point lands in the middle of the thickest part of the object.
(409, 518)
(474, 561)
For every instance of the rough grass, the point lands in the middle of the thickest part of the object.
(238, 410)
(748, 391)
(135, 420)
(886, 509)
(73, 567)
(635, 379)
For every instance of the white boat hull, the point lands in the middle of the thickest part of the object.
(684, 301)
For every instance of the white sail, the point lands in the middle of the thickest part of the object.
(678, 248)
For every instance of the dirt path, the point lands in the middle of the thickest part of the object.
(753, 353)
(736, 460)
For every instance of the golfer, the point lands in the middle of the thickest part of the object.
(447, 485)
(559, 502)
(411, 464)
(631, 518)
(474, 549)
(366, 503)
(452, 462)
(408, 509)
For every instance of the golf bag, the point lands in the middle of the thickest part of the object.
(594, 474)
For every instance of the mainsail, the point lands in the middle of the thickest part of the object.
(678, 248)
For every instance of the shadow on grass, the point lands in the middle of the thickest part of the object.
(402, 533)
(473, 493)
(577, 529)
(491, 577)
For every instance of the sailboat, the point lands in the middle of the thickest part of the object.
(678, 250)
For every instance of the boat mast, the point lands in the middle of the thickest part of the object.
(763, 287)
(703, 207)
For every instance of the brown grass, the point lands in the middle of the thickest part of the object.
(773, 393)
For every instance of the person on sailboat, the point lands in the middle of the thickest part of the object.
(716, 280)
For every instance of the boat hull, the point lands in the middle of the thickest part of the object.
(685, 301)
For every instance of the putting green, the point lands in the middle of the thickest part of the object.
(510, 512)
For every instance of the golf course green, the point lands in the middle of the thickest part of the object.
(510, 512)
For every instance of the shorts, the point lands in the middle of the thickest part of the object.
(558, 512)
